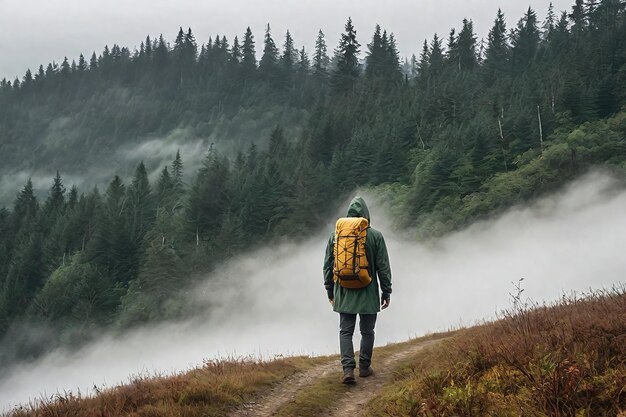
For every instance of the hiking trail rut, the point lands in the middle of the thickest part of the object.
(350, 404)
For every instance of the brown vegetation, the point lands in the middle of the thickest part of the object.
(562, 360)
(211, 390)
(568, 359)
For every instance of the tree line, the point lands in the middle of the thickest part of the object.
(465, 129)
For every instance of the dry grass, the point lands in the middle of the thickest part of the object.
(211, 390)
(568, 359)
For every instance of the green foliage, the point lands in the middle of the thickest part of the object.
(77, 292)
(446, 140)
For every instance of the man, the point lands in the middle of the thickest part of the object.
(365, 302)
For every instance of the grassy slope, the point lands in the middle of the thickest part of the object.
(568, 359)
(210, 390)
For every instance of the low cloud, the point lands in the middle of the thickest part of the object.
(272, 301)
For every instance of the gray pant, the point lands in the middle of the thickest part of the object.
(347, 323)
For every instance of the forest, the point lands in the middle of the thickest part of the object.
(463, 131)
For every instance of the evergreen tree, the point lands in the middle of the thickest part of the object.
(466, 47)
(82, 64)
(549, 23)
(346, 74)
(248, 60)
(435, 61)
(178, 185)
(288, 59)
(496, 61)
(268, 65)
(422, 66)
(141, 207)
(320, 58)
(235, 52)
(525, 41)
(375, 56)
(93, 62)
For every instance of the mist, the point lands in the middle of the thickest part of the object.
(272, 302)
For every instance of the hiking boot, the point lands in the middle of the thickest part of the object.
(365, 372)
(348, 376)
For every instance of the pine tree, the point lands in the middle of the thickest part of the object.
(141, 207)
(288, 59)
(346, 74)
(496, 60)
(25, 207)
(525, 41)
(41, 74)
(55, 204)
(148, 48)
(164, 189)
(248, 60)
(549, 23)
(303, 66)
(392, 56)
(27, 81)
(235, 52)
(178, 185)
(268, 65)
(82, 64)
(93, 62)
(466, 47)
(320, 58)
(65, 68)
(207, 198)
(375, 55)
(577, 16)
(422, 65)
(435, 61)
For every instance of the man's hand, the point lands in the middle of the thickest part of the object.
(384, 303)
(332, 302)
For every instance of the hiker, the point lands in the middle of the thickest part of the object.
(355, 262)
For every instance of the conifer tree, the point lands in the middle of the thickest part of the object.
(346, 74)
(235, 52)
(248, 60)
(466, 47)
(93, 62)
(497, 54)
(549, 23)
(82, 64)
(268, 65)
(41, 74)
(422, 65)
(141, 208)
(288, 59)
(375, 55)
(320, 58)
(435, 61)
(525, 41)
(65, 67)
(178, 185)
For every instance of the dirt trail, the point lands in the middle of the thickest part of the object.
(285, 391)
(354, 400)
(351, 403)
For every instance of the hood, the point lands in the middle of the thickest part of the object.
(358, 208)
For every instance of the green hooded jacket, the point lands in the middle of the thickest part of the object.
(362, 300)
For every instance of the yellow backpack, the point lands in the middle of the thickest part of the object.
(350, 268)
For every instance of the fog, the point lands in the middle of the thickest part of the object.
(272, 301)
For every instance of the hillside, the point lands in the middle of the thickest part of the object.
(565, 359)
(456, 135)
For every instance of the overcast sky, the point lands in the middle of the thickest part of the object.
(39, 31)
